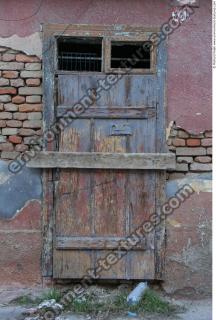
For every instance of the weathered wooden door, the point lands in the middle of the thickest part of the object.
(96, 208)
(105, 190)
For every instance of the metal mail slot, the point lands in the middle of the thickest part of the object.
(120, 130)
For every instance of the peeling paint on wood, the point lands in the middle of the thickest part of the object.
(105, 202)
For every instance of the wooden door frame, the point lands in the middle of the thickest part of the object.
(122, 32)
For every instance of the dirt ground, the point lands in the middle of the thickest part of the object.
(194, 309)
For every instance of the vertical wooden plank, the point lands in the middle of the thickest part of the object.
(141, 198)
(47, 223)
(71, 264)
(48, 187)
(110, 197)
(110, 194)
(73, 203)
(73, 194)
(161, 146)
(68, 92)
(106, 53)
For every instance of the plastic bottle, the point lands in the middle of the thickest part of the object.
(135, 296)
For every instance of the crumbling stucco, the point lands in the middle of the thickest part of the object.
(31, 45)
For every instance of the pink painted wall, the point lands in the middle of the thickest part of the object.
(189, 47)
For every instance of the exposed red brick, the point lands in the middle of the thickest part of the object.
(9, 131)
(33, 82)
(207, 142)
(191, 151)
(8, 90)
(178, 142)
(25, 58)
(30, 74)
(14, 123)
(26, 132)
(197, 167)
(30, 107)
(33, 99)
(6, 146)
(34, 116)
(209, 151)
(32, 124)
(3, 139)
(27, 91)
(182, 134)
(10, 74)
(15, 139)
(4, 82)
(193, 142)
(18, 99)
(5, 98)
(21, 148)
(11, 65)
(20, 116)
(205, 159)
(10, 107)
(2, 123)
(33, 66)
(8, 57)
(17, 83)
(5, 115)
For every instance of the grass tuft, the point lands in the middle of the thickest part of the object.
(116, 303)
(23, 300)
(150, 303)
(52, 294)
(30, 301)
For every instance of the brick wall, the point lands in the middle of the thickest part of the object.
(20, 101)
(193, 152)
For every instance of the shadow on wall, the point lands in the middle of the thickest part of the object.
(16, 190)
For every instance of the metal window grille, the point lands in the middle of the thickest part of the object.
(78, 61)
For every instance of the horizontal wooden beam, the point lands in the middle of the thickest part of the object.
(99, 160)
(90, 243)
(86, 30)
(141, 112)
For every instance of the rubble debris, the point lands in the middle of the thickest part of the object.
(39, 313)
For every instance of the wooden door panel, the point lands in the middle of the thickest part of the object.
(73, 195)
(130, 90)
(141, 265)
(116, 271)
(109, 198)
(72, 263)
(73, 215)
(95, 208)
